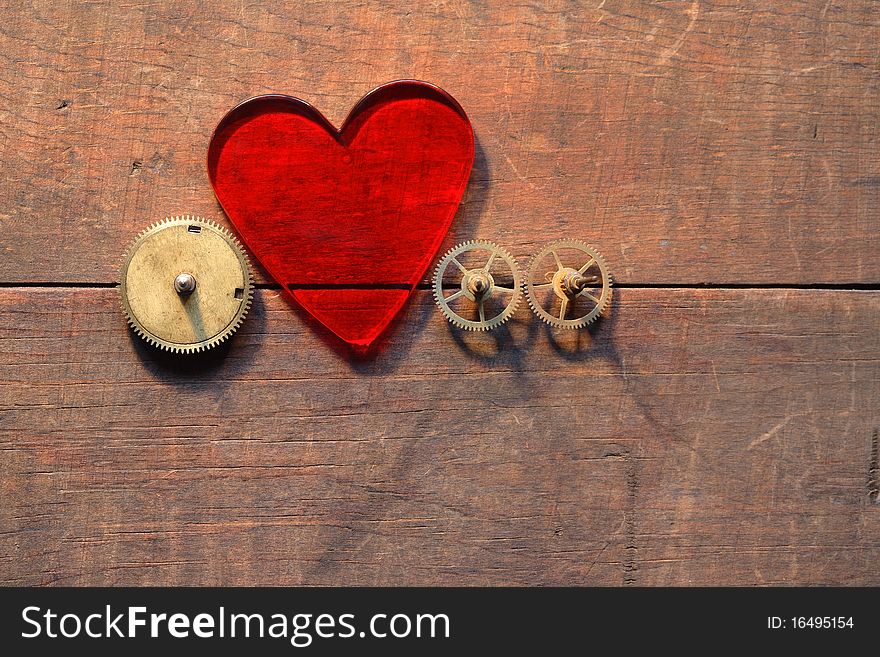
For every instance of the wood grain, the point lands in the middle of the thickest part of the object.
(692, 141)
(696, 437)
(720, 434)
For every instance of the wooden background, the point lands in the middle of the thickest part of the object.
(721, 427)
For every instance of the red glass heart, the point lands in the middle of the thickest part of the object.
(347, 221)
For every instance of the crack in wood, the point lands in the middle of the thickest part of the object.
(874, 469)
(631, 550)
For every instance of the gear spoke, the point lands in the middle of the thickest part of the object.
(562, 308)
(559, 265)
(482, 310)
(586, 266)
(590, 297)
(452, 297)
(459, 265)
(489, 262)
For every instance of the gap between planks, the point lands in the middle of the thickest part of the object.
(619, 286)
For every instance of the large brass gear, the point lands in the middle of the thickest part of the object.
(185, 284)
(478, 285)
(585, 281)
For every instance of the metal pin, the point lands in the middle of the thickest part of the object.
(185, 284)
(574, 284)
(478, 283)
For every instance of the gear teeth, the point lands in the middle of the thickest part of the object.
(498, 254)
(240, 316)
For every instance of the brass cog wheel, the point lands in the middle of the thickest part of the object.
(185, 284)
(581, 283)
(477, 285)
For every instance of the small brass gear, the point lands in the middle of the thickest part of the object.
(478, 286)
(185, 284)
(582, 284)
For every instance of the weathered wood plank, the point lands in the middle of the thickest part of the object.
(699, 436)
(692, 141)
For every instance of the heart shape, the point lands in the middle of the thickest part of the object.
(348, 220)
